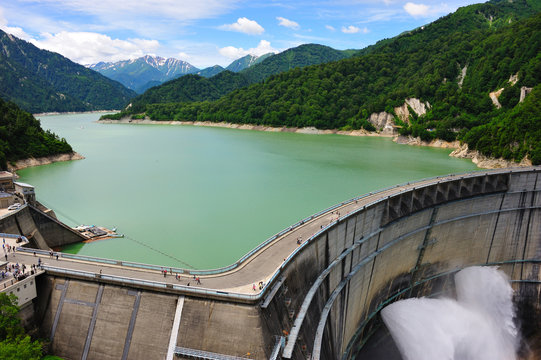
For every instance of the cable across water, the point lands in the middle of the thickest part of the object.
(183, 263)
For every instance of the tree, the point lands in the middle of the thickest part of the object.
(14, 343)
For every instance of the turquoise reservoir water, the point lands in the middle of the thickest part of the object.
(206, 196)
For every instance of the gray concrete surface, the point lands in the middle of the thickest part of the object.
(405, 243)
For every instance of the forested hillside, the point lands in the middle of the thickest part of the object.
(21, 136)
(190, 88)
(488, 43)
(43, 81)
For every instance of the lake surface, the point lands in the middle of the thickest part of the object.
(202, 196)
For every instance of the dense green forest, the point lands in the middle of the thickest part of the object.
(42, 81)
(201, 87)
(492, 41)
(14, 343)
(21, 136)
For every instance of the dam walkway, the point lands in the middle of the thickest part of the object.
(237, 281)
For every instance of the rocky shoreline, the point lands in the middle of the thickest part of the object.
(460, 151)
(306, 130)
(76, 112)
(24, 163)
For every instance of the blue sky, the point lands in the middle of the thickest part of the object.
(209, 32)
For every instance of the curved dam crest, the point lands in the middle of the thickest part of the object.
(321, 299)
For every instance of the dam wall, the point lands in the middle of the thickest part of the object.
(89, 320)
(41, 229)
(324, 300)
(407, 245)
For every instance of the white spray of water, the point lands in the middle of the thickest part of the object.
(477, 326)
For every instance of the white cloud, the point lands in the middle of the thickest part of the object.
(15, 31)
(288, 23)
(244, 25)
(233, 53)
(417, 10)
(147, 18)
(169, 9)
(184, 56)
(329, 27)
(354, 30)
(90, 48)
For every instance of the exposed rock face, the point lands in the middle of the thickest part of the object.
(486, 162)
(513, 79)
(402, 112)
(523, 92)
(461, 76)
(418, 106)
(383, 122)
(494, 97)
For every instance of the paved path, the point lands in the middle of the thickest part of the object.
(259, 267)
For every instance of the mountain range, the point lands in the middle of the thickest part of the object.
(199, 88)
(42, 81)
(145, 72)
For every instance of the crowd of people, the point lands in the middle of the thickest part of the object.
(18, 271)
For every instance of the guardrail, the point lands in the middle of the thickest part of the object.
(127, 281)
(14, 211)
(251, 298)
(13, 236)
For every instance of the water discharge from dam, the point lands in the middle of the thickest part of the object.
(478, 325)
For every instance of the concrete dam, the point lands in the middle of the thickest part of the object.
(319, 297)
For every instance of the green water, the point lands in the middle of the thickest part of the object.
(206, 196)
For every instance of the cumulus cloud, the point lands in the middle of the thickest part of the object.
(15, 31)
(329, 27)
(417, 10)
(354, 30)
(288, 23)
(90, 48)
(233, 53)
(244, 25)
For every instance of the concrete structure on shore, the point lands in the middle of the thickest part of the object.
(320, 299)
